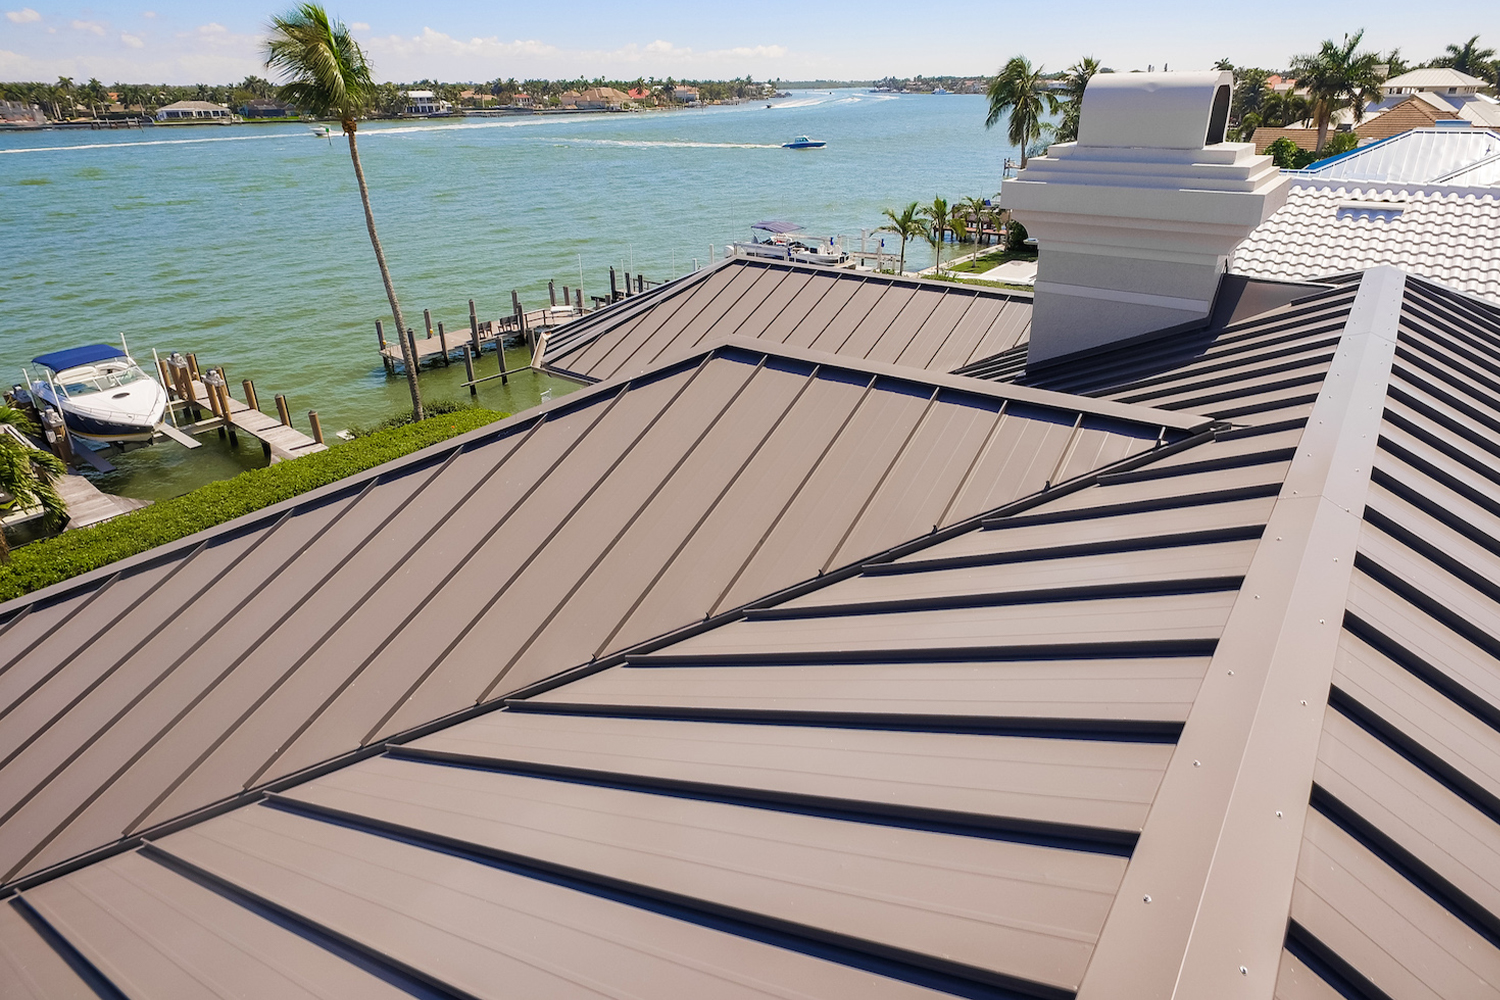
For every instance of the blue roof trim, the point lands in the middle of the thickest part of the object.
(75, 356)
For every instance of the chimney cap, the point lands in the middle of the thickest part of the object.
(1155, 110)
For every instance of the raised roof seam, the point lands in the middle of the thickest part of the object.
(1218, 852)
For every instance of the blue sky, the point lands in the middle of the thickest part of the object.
(173, 41)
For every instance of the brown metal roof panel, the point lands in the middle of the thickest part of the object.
(1186, 617)
(1004, 908)
(33, 624)
(747, 309)
(586, 358)
(385, 660)
(1385, 927)
(1077, 783)
(1011, 327)
(1415, 713)
(919, 488)
(30, 968)
(1149, 570)
(88, 774)
(809, 529)
(969, 331)
(632, 351)
(1453, 655)
(821, 323)
(1295, 981)
(1136, 689)
(1431, 823)
(920, 316)
(880, 320)
(1239, 447)
(1282, 357)
(691, 323)
(1135, 529)
(1101, 443)
(760, 490)
(1461, 597)
(1259, 391)
(918, 349)
(154, 933)
(1019, 459)
(790, 324)
(485, 930)
(1181, 487)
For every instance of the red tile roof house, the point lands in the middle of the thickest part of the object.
(1153, 655)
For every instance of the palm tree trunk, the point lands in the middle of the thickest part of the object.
(408, 355)
(902, 265)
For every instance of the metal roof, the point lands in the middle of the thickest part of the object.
(1447, 234)
(1419, 156)
(1435, 76)
(1220, 719)
(932, 325)
(150, 689)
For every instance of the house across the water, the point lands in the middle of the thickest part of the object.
(194, 113)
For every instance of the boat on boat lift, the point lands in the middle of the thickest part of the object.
(782, 235)
(102, 394)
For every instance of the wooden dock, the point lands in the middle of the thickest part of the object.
(491, 333)
(87, 504)
(279, 440)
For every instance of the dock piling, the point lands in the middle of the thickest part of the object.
(390, 366)
(250, 399)
(579, 293)
(443, 343)
(192, 363)
(427, 320)
(552, 293)
(317, 426)
(474, 328)
(469, 370)
(282, 411)
(614, 292)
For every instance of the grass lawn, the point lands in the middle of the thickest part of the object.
(992, 259)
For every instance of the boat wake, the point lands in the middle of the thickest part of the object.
(148, 142)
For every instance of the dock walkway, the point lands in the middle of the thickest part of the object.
(87, 504)
(282, 442)
(491, 331)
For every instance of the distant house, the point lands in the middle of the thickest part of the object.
(425, 103)
(600, 98)
(267, 107)
(525, 101)
(194, 113)
(21, 113)
(570, 98)
(687, 95)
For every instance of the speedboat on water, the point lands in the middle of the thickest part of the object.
(102, 394)
(803, 142)
(321, 131)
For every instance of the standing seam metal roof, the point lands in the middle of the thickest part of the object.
(896, 320)
(240, 656)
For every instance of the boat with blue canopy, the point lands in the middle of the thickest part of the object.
(102, 394)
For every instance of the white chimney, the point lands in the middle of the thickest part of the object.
(1137, 219)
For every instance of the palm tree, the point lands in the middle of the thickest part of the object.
(939, 218)
(1017, 92)
(327, 75)
(977, 209)
(1338, 75)
(1468, 58)
(27, 475)
(1079, 75)
(907, 225)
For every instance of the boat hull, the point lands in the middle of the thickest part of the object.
(803, 145)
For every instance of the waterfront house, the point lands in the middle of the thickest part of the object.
(524, 101)
(1154, 656)
(21, 113)
(193, 113)
(685, 95)
(267, 107)
(602, 98)
(425, 104)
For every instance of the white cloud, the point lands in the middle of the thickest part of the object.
(212, 28)
(148, 13)
(23, 16)
(360, 26)
(133, 41)
(92, 27)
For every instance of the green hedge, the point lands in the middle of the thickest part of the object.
(43, 563)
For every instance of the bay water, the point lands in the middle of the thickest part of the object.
(247, 244)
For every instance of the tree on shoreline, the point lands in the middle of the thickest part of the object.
(1017, 92)
(939, 219)
(327, 74)
(1338, 76)
(27, 476)
(907, 225)
(1079, 75)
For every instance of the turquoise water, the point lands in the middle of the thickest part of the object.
(247, 245)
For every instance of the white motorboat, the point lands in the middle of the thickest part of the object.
(102, 394)
(321, 131)
(782, 242)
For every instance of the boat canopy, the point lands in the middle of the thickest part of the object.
(75, 356)
(772, 226)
